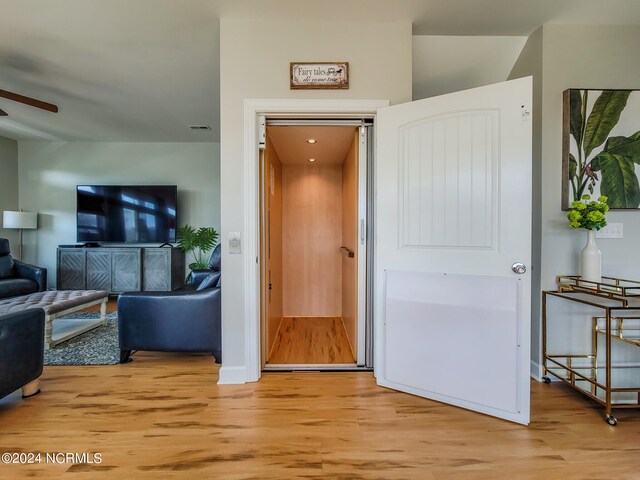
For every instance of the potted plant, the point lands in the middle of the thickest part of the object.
(199, 242)
(590, 215)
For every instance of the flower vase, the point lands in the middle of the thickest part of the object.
(591, 259)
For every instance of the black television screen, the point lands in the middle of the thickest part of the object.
(126, 213)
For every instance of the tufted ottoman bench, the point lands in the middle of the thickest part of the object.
(58, 303)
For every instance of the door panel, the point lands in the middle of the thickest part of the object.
(311, 238)
(350, 241)
(126, 269)
(72, 269)
(453, 184)
(273, 284)
(430, 313)
(99, 270)
(448, 185)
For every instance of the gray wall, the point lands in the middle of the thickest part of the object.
(583, 57)
(561, 57)
(50, 171)
(445, 64)
(9, 185)
(530, 63)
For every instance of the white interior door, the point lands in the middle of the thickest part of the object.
(453, 216)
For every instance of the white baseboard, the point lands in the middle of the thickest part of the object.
(536, 371)
(232, 375)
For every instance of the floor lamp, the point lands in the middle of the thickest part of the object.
(20, 220)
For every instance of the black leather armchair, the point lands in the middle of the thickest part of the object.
(198, 276)
(185, 320)
(19, 278)
(21, 351)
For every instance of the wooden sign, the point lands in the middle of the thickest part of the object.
(319, 76)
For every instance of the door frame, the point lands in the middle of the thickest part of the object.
(253, 108)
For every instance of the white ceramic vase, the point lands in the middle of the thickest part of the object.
(591, 259)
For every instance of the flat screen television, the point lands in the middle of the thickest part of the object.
(126, 213)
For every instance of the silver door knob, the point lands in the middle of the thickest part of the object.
(519, 268)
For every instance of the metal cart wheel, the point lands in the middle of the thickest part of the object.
(546, 379)
(611, 420)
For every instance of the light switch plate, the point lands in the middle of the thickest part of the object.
(612, 230)
(235, 245)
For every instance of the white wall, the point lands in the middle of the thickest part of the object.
(9, 185)
(254, 63)
(530, 63)
(444, 63)
(50, 171)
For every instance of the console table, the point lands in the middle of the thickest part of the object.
(120, 269)
(598, 332)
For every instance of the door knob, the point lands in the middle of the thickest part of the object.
(519, 268)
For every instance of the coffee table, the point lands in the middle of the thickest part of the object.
(59, 303)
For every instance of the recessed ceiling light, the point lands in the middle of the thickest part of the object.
(311, 140)
(312, 159)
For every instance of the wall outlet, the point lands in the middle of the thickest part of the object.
(612, 230)
(235, 245)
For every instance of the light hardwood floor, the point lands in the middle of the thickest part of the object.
(112, 306)
(311, 340)
(163, 417)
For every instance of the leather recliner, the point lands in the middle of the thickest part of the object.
(19, 278)
(198, 275)
(184, 320)
(21, 351)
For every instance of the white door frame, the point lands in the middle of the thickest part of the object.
(274, 107)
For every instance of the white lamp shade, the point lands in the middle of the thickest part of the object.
(26, 220)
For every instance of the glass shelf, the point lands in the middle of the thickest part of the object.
(592, 372)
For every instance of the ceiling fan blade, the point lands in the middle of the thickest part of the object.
(3, 113)
(50, 107)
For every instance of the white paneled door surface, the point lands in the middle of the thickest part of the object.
(453, 236)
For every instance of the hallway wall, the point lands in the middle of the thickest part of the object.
(254, 64)
(311, 239)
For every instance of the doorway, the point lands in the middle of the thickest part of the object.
(481, 135)
(313, 192)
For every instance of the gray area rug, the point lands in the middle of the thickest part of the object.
(95, 347)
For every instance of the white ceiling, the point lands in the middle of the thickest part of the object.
(142, 70)
(331, 147)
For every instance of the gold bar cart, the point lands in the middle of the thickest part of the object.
(590, 371)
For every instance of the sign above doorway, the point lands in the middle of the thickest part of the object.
(319, 75)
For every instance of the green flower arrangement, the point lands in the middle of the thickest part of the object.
(588, 214)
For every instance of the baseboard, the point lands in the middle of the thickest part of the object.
(232, 375)
(536, 371)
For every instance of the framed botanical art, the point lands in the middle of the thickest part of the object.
(601, 146)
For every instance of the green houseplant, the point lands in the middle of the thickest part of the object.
(199, 242)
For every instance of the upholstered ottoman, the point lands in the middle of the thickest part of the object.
(58, 303)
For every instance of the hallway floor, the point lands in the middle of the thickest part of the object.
(164, 416)
(311, 340)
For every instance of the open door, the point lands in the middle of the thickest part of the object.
(453, 248)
